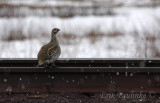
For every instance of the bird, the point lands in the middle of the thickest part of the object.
(49, 52)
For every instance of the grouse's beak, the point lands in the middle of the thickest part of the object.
(58, 29)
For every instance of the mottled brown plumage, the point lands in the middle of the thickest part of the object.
(50, 52)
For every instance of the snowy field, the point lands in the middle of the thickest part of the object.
(132, 32)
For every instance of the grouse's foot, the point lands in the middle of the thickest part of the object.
(51, 65)
(46, 66)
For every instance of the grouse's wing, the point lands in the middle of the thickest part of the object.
(42, 55)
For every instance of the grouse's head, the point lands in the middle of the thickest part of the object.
(55, 31)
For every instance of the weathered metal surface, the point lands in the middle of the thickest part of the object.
(84, 62)
(126, 75)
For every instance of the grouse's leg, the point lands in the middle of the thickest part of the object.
(53, 64)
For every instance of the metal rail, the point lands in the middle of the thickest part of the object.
(80, 75)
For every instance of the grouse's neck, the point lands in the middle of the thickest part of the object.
(54, 38)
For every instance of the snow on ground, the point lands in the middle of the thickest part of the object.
(77, 2)
(141, 21)
(132, 32)
(68, 8)
(84, 48)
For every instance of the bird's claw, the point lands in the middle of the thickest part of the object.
(50, 65)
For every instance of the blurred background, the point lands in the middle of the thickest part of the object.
(89, 28)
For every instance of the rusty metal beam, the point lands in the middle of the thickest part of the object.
(80, 76)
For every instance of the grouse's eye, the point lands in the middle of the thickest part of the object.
(55, 31)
